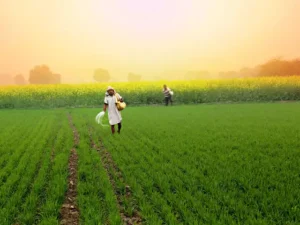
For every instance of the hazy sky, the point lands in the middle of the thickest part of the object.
(74, 37)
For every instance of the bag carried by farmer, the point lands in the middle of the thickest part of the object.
(120, 105)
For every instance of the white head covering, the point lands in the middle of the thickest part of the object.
(110, 88)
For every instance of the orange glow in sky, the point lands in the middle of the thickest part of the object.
(147, 37)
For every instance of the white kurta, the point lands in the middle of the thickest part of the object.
(114, 115)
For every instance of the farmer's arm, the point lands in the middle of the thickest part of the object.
(105, 104)
(120, 98)
(105, 107)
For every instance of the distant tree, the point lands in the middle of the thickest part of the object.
(101, 75)
(19, 79)
(279, 67)
(273, 67)
(43, 75)
(134, 77)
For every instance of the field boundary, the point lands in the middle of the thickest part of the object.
(156, 105)
(69, 212)
(115, 176)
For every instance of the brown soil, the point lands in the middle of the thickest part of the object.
(69, 211)
(113, 171)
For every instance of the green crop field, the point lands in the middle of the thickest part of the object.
(202, 164)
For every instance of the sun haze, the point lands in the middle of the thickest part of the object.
(74, 37)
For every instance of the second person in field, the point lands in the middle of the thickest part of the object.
(168, 95)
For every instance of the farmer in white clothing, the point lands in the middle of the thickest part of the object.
(114, 114)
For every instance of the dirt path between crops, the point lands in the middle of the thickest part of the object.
(69, 211)
(113, 173)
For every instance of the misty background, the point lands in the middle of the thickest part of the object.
(68, 41)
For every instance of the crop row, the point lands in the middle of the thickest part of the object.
(33, 167)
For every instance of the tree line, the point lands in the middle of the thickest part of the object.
(273, 67)
(42, 74)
